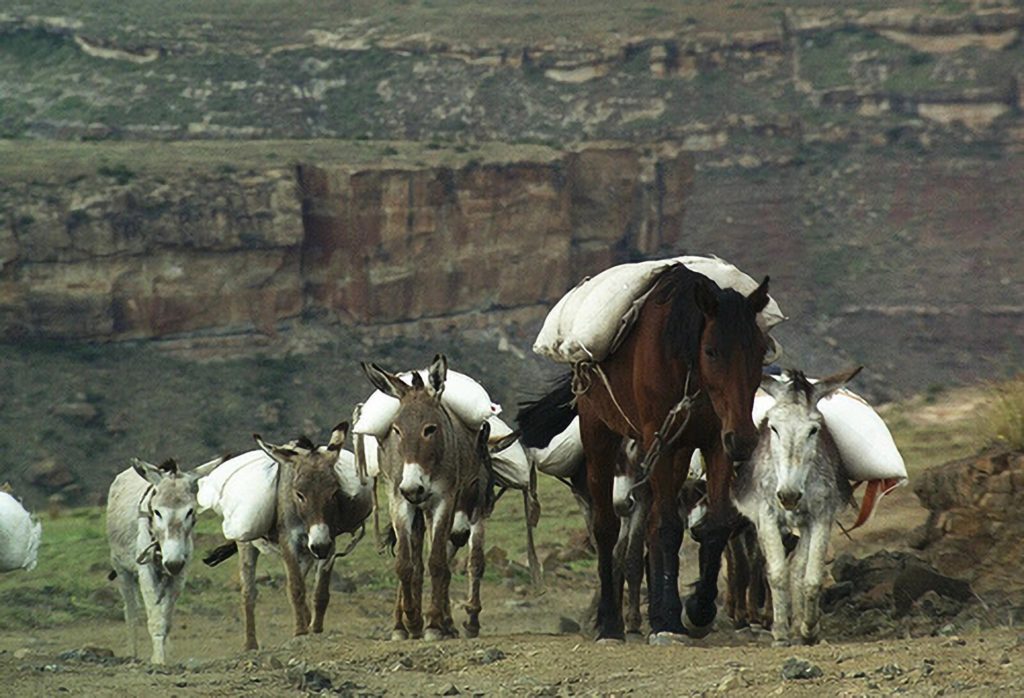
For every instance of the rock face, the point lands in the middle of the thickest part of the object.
(976, 524)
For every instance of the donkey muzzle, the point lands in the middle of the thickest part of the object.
(789, 499)
(173, 567)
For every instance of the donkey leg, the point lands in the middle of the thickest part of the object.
(778, 578)
(477, 562)
(797, 572)
(439, 615)
(815, 572)
(159, 606)
(296, 587)
(634, 565)
(247, 556)
(322, 592)
(718, 527)
(602, 449)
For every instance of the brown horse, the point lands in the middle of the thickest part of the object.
(683, 378)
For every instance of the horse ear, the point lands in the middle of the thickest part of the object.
(338, 435)
(758, 299)
(704, 296)
(281, 454)
(387, 383)
(438, 373)
(147, 471)
(827, 386)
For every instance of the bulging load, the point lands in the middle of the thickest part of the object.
(462, 395)
(20, 535)
(243, 491)
(584, 323)
(511, 465)
(563, 454)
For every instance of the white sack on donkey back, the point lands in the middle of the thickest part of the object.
(865, 444)
(462, 395)
(563, 454)
(243, 491)
(20, 535)
(511, 465)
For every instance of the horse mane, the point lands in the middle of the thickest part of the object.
(677, 285)
(542, 419)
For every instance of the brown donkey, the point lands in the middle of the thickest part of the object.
(438, 469)
(320, 495)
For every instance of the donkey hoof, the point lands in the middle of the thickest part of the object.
(471, 631)
(611, 641)
(780, 642)
(433, 635)
(666, 638)
(399, 634)
(697, 631)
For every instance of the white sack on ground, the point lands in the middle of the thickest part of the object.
(243, 491)
(563, 454)
(20, 535)
(511, 465)
(865, 444)
(462, 395)
(583, 323)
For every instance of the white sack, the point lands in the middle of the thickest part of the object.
(19, 535)
(511, 465)
(347, 472)
(865, 444)
(462, 395)
(243, 490)
(582, 325)
(563, 454)
(371, 452)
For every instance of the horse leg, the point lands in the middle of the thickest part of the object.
(247, 556)
(477, 562)
(322, 592)
(439, 615)
(665, 536)
(770, 538)
(817, 548)
(737, 586)
(128, 585)
(633, 564)
(602, 447)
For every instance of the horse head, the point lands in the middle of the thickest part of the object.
(730, 359)
(418, 431)
(170, 509)
(793, 427)
(308, 475)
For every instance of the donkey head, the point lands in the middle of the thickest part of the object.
(793, 427)
(308, 476)
(418, 431)
(732, 351)
(171, 508)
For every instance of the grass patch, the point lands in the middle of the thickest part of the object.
(1002, 418)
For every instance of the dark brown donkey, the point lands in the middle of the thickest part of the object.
(319, 496)
(684, 378)
(437, 468)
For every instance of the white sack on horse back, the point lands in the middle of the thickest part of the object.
(511, 465)
(462, 395)
(563, 454)
(243, 490)
(20, 535)
(728, 276)
(583, 324)
(370, 452)
(865, 444)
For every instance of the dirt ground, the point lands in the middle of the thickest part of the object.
(528, 647)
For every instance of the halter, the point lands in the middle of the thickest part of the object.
(151, 553)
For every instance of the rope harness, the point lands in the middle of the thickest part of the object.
(151, 553)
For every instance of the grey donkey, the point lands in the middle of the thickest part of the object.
(794, 482)
(151, 511)
(439, 473)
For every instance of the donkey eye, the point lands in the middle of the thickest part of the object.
(775, 431)
(190, 513)
(813, 431)
(396, 431)
(301, 497)
(429, 430)
(158, 514)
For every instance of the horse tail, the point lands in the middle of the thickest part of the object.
(542, 419)
(220, 554)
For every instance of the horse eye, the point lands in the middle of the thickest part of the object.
(429, 430)
(710, 353)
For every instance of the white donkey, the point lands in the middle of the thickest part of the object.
(794, 480)
(151, 511)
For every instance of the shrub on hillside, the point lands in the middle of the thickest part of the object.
(1003, 417)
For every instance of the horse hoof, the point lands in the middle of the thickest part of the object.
(697, 631)
(666, 638)
(471, 631)
(611, 641)
(433, 635)
(398, 634)
(780, 643)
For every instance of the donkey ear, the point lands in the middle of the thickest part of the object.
(437, 373)
(758, 299)
(704, 296)
(774, 385)
(281, 454)
(147, 471)
(338, 435)
(208, 467)
(827, 386)
(387, 383)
